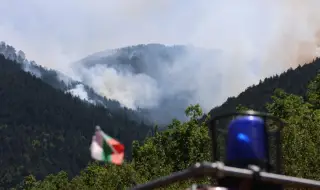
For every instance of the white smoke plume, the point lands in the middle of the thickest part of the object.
(27, 67)
(258, 38)
(80, 92)
(131, 90)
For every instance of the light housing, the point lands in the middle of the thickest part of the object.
(246, 139)
(240, 139)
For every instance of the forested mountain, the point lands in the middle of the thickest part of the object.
(142, 78)
(293, 81)
(149, 66)
(158, 79)
(63, 82)
(183, 144)
(157, 60)
(43, 130)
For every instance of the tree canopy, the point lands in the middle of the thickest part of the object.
(43, 130)
(183, 144)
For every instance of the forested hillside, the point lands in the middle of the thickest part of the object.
(183, 144)
(65, 83)
(255, 97)
(153, 77)
(43, 130)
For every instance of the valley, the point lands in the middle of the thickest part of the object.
(43, 112)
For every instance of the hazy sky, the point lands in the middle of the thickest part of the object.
(52, 32)
(271, 35)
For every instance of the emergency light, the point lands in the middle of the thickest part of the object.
(246, 139)
(241, 139)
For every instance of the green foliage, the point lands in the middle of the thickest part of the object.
(186, 142)
(183, 144)
(300, 136)
(313, 93)
(176, 148)
(255, 97)
(44, 130)
(301, 140)
(194, 111)
(29, 182)
(241, 108)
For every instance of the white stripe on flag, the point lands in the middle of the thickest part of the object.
(96, 150)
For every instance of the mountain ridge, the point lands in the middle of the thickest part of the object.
(132, 57)
(61, 81)
(293, 81)
(45, 130)
(37, 118)
(185, 143)
(155, 80)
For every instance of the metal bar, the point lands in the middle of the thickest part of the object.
(164, 181)
(218, 170)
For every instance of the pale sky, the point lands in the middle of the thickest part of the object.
(64, 31)
(269, 35)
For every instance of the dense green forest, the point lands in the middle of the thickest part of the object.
(43, 130)
(293, 81)
(64, 83)
(183, 144)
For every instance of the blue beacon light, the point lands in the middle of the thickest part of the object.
(246, 139)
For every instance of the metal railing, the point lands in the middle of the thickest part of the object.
(218, 170)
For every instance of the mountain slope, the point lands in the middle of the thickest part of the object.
(160, 64)
(148, 59)
(63, 82)
(292, 81)
(43, 130)
(159, 80)
(185, 144)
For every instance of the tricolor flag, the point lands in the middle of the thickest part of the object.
(105, 148)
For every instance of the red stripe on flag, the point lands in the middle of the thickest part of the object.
(118, 147)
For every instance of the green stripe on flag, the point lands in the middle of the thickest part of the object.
(106, 137)
(107, 151)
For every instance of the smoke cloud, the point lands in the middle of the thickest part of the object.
(80, 92)
(257, 39)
